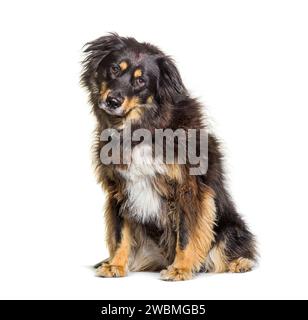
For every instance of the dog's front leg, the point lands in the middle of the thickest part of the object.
(119, 242)
(196, 219)
(117, 264)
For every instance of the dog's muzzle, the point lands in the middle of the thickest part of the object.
(114, 102)
(112, 105)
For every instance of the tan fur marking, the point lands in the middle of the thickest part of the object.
(217, 260)
(117, 265)
(109, 222)
(189, 260)
(137, 73)
(130, 103)
(240, 265)
(104, 91)
(150, 99)
(134, 114)
(174, 172)
(122, 252)
(204, 234)
(162, 187)
(123, 65)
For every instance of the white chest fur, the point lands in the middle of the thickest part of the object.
(144, 203)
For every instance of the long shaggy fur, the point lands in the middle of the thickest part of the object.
(195, 225)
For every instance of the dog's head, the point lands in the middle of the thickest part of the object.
(122, 75)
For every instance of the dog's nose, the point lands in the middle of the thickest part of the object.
(114, 102)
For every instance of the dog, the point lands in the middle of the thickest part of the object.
(159, 217)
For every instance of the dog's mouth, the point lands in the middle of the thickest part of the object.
(125, 108)
(119, 111)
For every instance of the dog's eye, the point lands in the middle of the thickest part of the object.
(140, 81)
(115, 69)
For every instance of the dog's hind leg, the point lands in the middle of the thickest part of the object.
(234, 252)
(218, 262)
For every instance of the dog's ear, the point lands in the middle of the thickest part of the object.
(96, 51)
(170, 86)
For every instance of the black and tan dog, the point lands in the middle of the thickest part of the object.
(159, 218)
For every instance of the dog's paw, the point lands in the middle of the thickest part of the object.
(241, 265)
(176, 274)
(107, 270)
(99, 264)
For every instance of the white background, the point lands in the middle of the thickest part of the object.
(248, 63)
